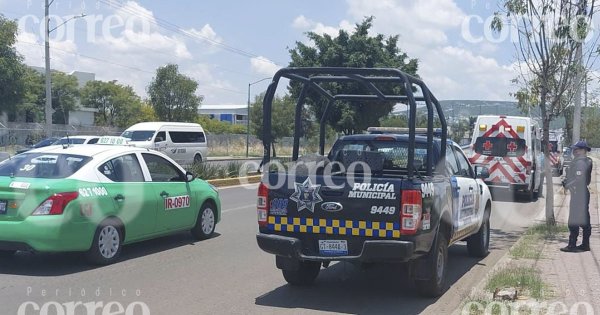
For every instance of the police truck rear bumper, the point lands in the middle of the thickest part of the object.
(372, 250)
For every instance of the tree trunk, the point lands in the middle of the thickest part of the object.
(550, 220)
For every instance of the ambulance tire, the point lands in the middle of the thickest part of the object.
(437, 261)
(7, 253)
(306, 273)
(205, 222)
(478, 245)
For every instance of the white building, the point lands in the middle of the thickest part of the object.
(234, 114)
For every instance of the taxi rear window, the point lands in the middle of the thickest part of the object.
(43, 165)
(499, 146)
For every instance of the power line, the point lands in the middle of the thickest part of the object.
(175, 28)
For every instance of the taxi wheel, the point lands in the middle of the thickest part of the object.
(7, 253)
(306, 273)
(107, 243)
(205, 222)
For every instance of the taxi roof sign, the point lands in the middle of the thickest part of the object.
(113, 140)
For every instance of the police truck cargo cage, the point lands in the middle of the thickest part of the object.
(399, 196)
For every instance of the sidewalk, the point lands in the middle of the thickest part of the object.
(575, 277)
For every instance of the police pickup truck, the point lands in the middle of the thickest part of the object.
(387, 196)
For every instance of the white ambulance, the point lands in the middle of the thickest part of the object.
(183, 142)
(511, 149)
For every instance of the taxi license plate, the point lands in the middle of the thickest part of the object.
(333, 247)
(3, 206)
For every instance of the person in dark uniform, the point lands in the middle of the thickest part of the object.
(578, 178)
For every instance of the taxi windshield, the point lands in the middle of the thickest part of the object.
(138, 135)
(43, 165)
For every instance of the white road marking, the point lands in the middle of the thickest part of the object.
(239, 208)
(247, 186)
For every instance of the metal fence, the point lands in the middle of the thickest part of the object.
(24, 134)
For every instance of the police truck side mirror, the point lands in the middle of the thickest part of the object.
(482, 172)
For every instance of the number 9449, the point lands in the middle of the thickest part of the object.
(383, 210)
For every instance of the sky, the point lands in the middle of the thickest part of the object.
(225, 45)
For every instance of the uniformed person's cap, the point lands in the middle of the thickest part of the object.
(581, 144)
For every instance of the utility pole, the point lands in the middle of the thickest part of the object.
(48, 110)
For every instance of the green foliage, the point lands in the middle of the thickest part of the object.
(118, 105)
(215, 126)
(11, 68)
(218, 171)
(65, 92)
(591, 126)
(32, 104)
(282, 120)
(173, 95)
(358, 49)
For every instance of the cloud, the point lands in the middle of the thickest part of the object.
(263, 66)
(304, 24)
(207, 36)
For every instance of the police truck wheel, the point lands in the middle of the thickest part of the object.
(205, 222)
(305, 275)
(437, 261)
(478, 245)
(7, 253)
(107, 243)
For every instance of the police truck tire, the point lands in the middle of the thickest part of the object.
(478, 245)
(197, 159)
(205, 222)
(107, 243)
(306, 273)
(7, 253)
(437, 261)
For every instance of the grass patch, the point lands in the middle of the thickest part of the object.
(218, 171)
(530, 246)
(526, 280)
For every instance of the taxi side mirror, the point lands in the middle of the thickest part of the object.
(482, 172)
(189, 176)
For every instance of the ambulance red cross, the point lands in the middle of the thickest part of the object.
(510, 148)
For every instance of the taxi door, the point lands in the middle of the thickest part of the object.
(123, 179)
(176, 205)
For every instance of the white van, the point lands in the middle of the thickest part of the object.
(183, 142)
(510, 147)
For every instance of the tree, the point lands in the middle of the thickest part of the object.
(173, 95)
(118, 105)
(11, 67)
(549, 34)
(282, 118)
(220, 127)
(31, 108)
(65, 93)
(351, 50)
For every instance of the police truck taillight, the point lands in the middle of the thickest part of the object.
(262, 205)
(410, 215)
(55, 204)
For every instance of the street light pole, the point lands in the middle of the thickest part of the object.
(248, 115)
(48, 109)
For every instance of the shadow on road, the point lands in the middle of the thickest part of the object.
(60, 264)
(379, 289)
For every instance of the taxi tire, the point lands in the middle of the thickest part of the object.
(478, 245)
(436, 285)
(93, 254)
(306, 273)
(197, 231)
(7, 253)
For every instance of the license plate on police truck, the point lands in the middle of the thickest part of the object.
(333, 247)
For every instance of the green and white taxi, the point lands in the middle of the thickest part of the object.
(97, 198)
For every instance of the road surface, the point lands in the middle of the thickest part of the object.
(229, 274)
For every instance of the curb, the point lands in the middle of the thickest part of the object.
(501, 263)
(234, 181)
